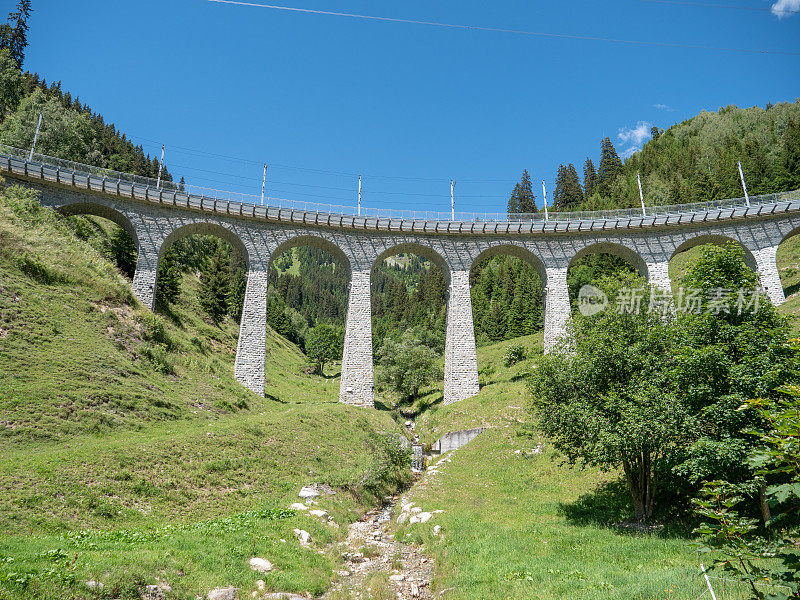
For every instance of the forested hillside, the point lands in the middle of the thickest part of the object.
(693, 161)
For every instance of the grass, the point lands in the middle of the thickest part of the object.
(518, 523)
(129, 455)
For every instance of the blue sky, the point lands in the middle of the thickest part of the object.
(323, 98)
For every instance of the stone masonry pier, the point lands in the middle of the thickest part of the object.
(156, 218)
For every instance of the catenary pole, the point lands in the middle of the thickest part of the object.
(36, 136)
(744, 185)
(263, 184)
(452, 200)
(641, 195)
(160, 168)
(544, 195)
(359, 195)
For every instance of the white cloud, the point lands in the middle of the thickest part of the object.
(663, 107)
(785, 8)
(635, 135)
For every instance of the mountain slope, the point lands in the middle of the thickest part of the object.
(130, 454)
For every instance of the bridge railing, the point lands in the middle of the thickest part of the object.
(205, 193)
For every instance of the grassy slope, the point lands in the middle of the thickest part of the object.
(98, 440)
(520, 526)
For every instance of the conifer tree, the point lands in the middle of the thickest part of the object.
(589, 178)
(14, 33)
(558, 195)
(573, 193)
(214, 284)
(513, 202)
(791, 163)
(610, 167)
(522, 199)
(124, 252)
(527, 201)
(168, 279)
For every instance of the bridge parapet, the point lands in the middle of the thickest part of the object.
(86, 177)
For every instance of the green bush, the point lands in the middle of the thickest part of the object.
(514, 354)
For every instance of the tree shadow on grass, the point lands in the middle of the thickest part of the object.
(606, 505)
(609, 505)
(269, 396)
(164, 309)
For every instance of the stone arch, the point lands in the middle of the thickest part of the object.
(615, 249)
(718, 240)
(206, 228)
(419, 249)
(104, 212)
(515, 250)
(315, 242)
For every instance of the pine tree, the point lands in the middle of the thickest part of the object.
(168, 279)
(573, 193)
(124, 252)
(14, 33)
(214, 285)
(527, 201)
(589, 178)
(513, 202)
(515, 324)
(791, 162)
(610, 167)
(558, 195)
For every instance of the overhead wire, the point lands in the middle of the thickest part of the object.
(716, 5)
(505, 30)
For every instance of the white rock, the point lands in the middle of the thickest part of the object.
(228, 593)
(322, 514)
(413, 520)
(298, 506)
(260, 564)
(402, 518)
(416, 510)
(308, 492)
(283, 596)
(153, 592)
(261, 585)
(437, 529)
(302, 535)
(398, 577)
(424, 517)
(94, 585)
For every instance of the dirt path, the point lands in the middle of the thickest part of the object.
(376, 566)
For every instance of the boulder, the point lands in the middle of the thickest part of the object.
(227, 593)
(260, 564)
(424, 517)
(302, 535)
(309, 492)
(153, 592)
(322, 514)
(298, 506)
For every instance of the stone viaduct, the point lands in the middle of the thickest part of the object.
(155, 218)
